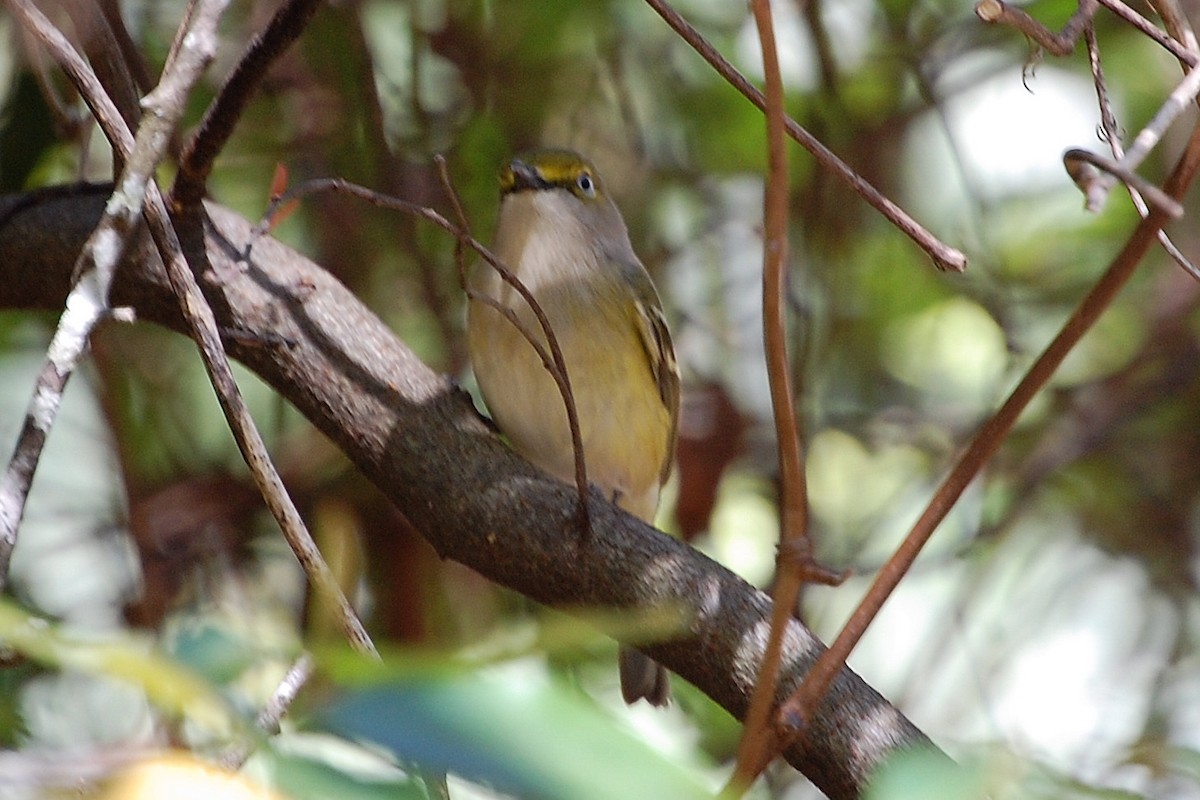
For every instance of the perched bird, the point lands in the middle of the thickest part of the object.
(563, 237)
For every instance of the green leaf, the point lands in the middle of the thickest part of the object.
(519, 735)
(324, 769)
(929, 775)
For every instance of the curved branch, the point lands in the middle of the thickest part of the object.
(421, 442)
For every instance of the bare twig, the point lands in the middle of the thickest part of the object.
(273, 712)
(795, 563)
(285, 693)
(799, 708)
(81, 75)
(88, 302)
(222, 115)
(197, 312)
(204, 331)
(1061, 43)
(103, 51)
(133, 58)
(1096, 186)
(1095, 175)
(944, 257)
(1164, 40)
(1112, 134)
(1176, 22)
(1109, 125)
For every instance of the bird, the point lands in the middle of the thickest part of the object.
(560, 233)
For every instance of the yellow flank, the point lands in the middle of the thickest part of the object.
(623, 422)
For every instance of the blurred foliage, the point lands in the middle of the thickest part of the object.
(553, 745)
(1048, 635)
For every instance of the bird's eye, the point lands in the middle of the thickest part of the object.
(586, 185)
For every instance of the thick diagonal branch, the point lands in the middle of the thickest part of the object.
(417, 438)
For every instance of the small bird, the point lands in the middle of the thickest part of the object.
(563, 237)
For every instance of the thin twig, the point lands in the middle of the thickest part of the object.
(1095, 175)
(800, 706)
(135, 62)
(88, 301)
(1111, 130)
(200, 319)
(1109, 125)
(1062, 43)
(180, 36)
(285, 693)
(1097, 185)
(36, 25)
(944, 257)
(276, 708)
(754, 749)
(103, 52)
(1176, 22)
(1160, 37)
(226, 109)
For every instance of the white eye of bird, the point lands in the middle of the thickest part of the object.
(586, 185)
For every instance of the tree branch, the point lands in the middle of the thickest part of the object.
(420, 441)
(219, 120)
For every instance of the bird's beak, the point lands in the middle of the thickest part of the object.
(524, 176)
